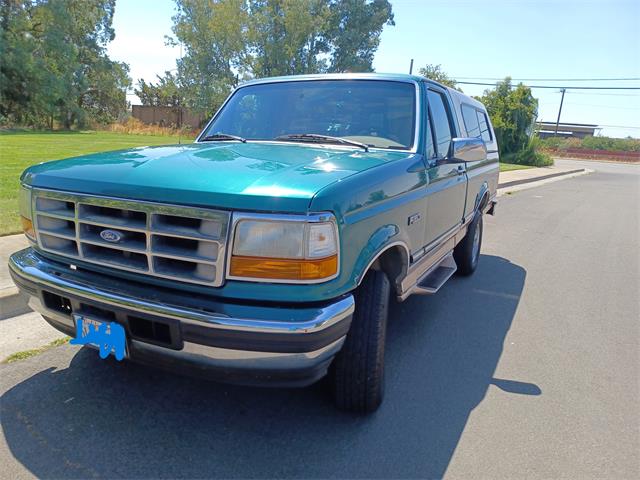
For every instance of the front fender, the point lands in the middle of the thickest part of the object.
(372, 209)
(383, 239)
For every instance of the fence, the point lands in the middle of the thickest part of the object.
(167, 116)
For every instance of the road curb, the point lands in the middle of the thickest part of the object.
(12, 303)
(536, 179)
(517, 185)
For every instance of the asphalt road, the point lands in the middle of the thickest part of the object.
(530, 368)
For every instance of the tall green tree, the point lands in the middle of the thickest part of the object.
(67, 74)
(214, 35)
(354, 33)
(225, 40)
(287, 37)
(20, 71)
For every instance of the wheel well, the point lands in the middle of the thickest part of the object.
(394, 262)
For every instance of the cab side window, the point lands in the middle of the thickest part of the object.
(440, 122)
(484, 126)
(470, 117)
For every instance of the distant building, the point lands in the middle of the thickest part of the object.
(566, 130)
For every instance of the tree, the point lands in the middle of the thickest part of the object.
(165, 93)
(287, 37)
(54, 62)
(214, 34)
(435, 73)
(19, 69)
(229, 39)
(105, 99)
(354, 32)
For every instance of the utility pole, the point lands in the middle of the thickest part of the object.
(560, 111)
(411, 67)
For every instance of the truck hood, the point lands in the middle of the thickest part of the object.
(250, 176)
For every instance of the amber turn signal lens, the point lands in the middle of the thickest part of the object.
(27, 228)
(283, 269)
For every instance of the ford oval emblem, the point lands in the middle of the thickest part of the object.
(111, 236)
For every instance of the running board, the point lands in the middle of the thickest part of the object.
(437, 276)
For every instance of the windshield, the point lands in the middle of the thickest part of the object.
(379, 114)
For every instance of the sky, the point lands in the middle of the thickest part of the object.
(472, 41)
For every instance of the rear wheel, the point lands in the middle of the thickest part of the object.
(358, 376)
(467, 252)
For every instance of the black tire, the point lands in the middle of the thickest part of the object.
(358, 369)
(466, 253)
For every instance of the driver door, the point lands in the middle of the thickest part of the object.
(447, 185)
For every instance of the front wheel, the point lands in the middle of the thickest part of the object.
(467, 252)
(358, 380)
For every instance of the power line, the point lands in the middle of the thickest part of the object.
(601, 106)
(619, 126)
(608, 94)
(624, 79)
(556, 87)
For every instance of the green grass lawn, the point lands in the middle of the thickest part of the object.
(21, 149)
(507, 167)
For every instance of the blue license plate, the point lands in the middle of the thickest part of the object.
(107, 337)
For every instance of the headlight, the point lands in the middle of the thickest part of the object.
(279, 249)
(26, 218)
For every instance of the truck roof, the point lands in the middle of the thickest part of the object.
(398, 77)
(463, 98)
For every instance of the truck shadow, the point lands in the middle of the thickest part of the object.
(107, 419)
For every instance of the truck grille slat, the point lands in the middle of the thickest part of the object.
(55, 207)
(186, 227)
(168, 241)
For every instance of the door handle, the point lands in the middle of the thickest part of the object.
(461, 169)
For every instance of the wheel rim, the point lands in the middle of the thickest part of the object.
(476, 244)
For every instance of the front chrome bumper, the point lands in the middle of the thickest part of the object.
(235, 342)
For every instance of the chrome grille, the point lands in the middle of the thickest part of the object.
(167, 241)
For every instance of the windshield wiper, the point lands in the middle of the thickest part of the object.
(217, 137)
(316, 138)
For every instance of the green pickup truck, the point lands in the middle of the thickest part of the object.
(267, 251)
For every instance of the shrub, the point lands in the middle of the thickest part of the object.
(531, 155)
(512, 110)
(593, 143)
(609, 143)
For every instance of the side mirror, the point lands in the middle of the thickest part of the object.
(467, 150)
